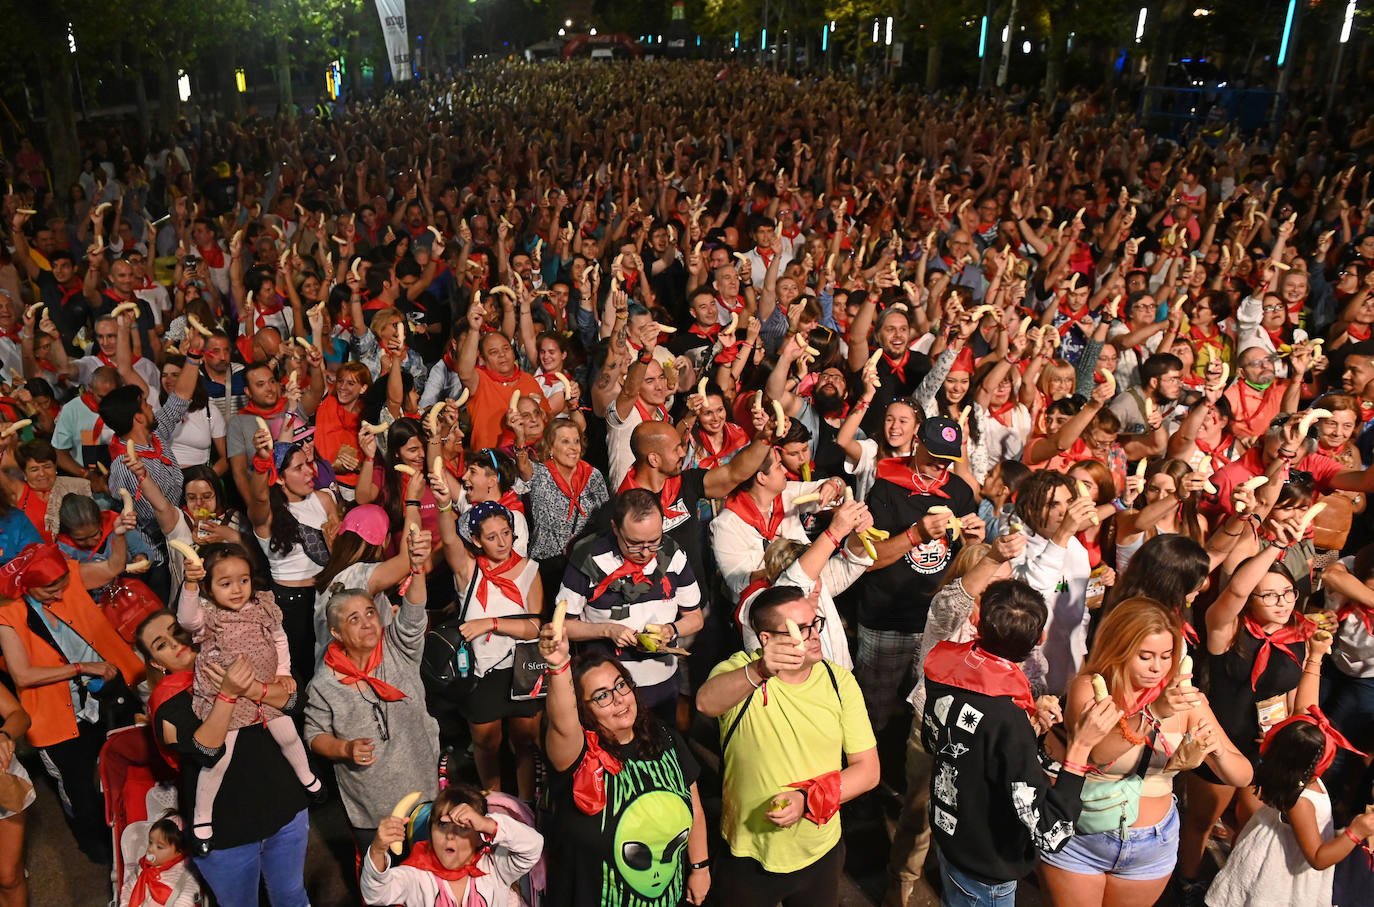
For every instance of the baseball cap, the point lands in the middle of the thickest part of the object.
(942, 438)
(369, 522)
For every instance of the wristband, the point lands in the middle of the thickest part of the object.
(831, 536)
(229, 699)
(446, 508)
(702, 865)
(912, 538)
(76, 670)
(1352, 836)
(551, 671)
(1076, 767)
(411, 503)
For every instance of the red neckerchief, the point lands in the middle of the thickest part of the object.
(1363, 615)
(667, 497)
(1072, 317)
(168, 687)
(589, 779)
(657, 414)
(213, 255)
(496, 575)
(150, 882)
(548, 379)
(89, 400)
(999, 412)
(105, 360)
(896, 471)
(734, 439)
(336, 658)
(252, 409)
(582, 474)
(107, 524)
(735, 305)
(503, 380)
(1298, 632)
(967, 667)
(13, 333)
(708, 332)
(1333, 738)
(450, 363)
(422, 857)
(898, 368)
(1214, 339)
(511, 501)
(76, 286)
(636, 574)
(154, 451)
(766, 255)
(1275, 337)
(1216, 454)
(1358, 331)
(742, 505)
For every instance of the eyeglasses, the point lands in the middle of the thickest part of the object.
(652, 545)
(1262, 360)
(1273, 308)
(1287, 596)
(815, 626)
(602, 698)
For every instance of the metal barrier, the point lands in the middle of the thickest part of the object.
(1182, 113)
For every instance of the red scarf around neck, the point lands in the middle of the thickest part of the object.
(119, 445)
(733, 440)
(966, 666)
(742, 505)
(252, 409)
(666, 497)
(150, 882)
(582, 474)
(896, 471)
(335, 657)
(589, 780)
(496, 575)
(898, 366)
(422, 857)
(1279, 639)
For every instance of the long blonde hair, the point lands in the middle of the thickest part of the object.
(1120, 636)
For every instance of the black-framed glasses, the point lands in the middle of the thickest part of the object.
(816, 626)
(602, 698)
(652, 545)
(1287, 596)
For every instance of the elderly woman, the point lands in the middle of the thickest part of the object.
(86, 535)
(261, 845)
(365, 706)
(619, 775)
(470, 857)
(62, 652)
(41, 492)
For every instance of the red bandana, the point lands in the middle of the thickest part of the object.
(708, 332)
(150, 881)
(896, 471)
(336, 658)
(734, 439)
(1299, 632)
(582, 474)
(742, 505)
(657, 414)
(589, 780)
(1362, 614)
(898, 367)
(1334, 738)
(968, 667)
(422, 857)
(154, 451)
(512, 502)
(213, 255)
(167, 688)
(252, 409)
(667, 497)
(497, 577)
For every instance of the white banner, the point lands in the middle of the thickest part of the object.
(393, 16)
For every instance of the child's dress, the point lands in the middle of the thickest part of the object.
(255, 630)
(1267, 867)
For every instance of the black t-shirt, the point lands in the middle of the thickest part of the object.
(634, 852)
(897, 597)
(670, 290)
(894, 387)
(423, 311)
(69, 316)
(259, 792)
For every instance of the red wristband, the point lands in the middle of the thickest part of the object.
(915, 543)
(834, 541)
(560, 669)
(1078, 767)
(229, 699)
(1352, 836)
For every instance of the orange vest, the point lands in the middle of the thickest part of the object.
(50, 705)
(490, 402)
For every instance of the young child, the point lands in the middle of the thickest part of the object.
(1287, 851)
(163, 878)
(232, 619)
(998, 491)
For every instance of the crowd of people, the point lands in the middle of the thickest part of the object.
(462, 457)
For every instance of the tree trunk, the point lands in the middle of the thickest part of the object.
(933, 57)
(64, 159)
(1057, 52)
(286, 102)
(169, 98)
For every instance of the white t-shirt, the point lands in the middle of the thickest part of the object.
(193, 439)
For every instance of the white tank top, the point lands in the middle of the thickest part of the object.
(307, 556)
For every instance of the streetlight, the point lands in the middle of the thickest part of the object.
(889, 31)
(592, 32)
(567, 23)
(1140, 26)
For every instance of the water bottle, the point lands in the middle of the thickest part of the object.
(463, 660)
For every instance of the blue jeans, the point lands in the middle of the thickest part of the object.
(279, 860)
(959, 889)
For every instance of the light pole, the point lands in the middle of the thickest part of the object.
(1006, 47)
(1340, 56)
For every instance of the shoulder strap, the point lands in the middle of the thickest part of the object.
(734, 725)
(467, 596)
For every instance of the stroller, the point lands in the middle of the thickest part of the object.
(139, 788)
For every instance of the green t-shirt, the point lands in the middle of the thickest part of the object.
(800, 734)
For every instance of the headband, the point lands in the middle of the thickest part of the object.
(1334, 739)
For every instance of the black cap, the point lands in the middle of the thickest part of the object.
(942, 438)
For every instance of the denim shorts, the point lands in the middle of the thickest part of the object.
(1132, 853)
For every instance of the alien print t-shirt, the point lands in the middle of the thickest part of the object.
(634, 852)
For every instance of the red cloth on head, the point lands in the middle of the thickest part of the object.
(1334, 738)
(37, 565)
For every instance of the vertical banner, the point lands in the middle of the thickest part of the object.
(393, 16)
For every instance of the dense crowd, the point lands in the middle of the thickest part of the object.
(463, 455)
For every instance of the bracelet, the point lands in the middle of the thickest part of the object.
(264, 693)
(702, 865)
(910, 537)
(76, 670)
(751, 680)
(229, 699)
(1076, 767)
(410, 503)
(551, 671)
(446, 508)
(1352, 836)
(862, 405)
(831, 536)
